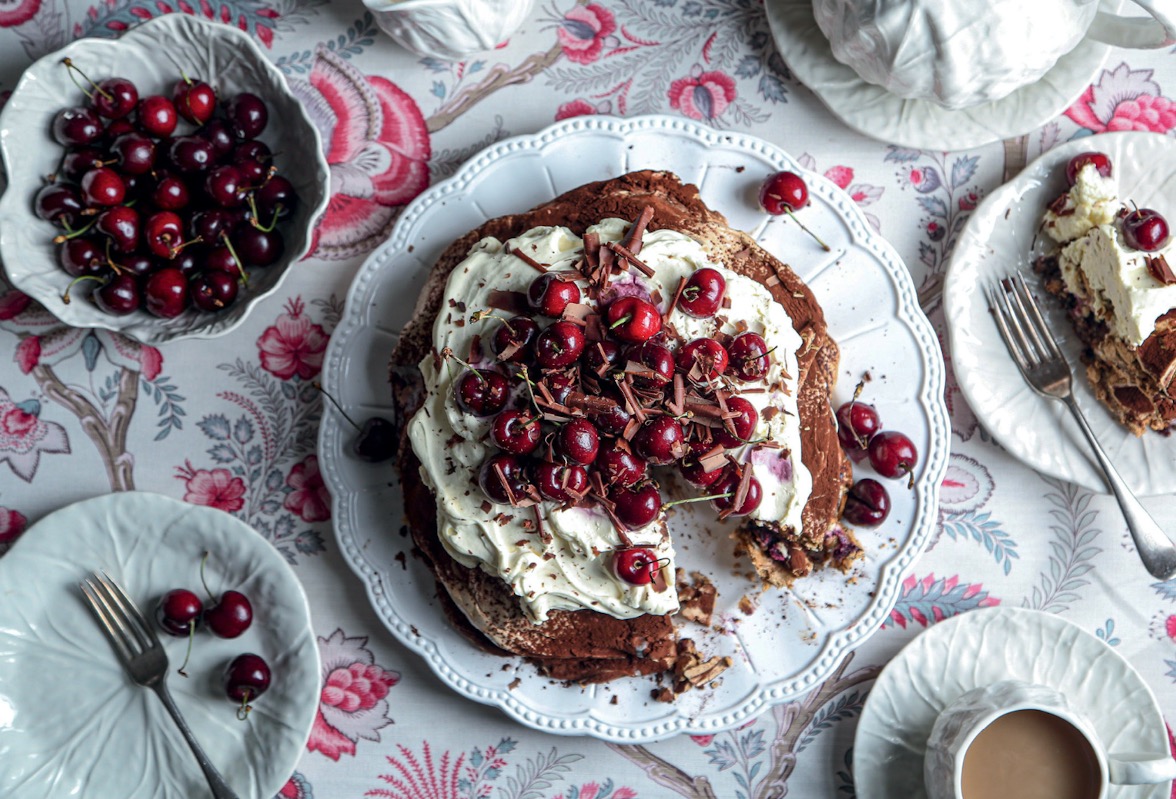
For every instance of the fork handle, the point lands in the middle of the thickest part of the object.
(220, 789)
(1156, 550)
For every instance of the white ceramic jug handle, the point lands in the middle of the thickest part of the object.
(1137, 32)
(1140, 769)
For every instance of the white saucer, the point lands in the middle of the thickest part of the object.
(872, 110)
(71, 721)
(981, 647)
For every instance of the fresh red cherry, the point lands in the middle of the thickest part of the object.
(229, 616)
(170, 193)
(257, 247)
(867, 504)
(179, 612)
(729, 484)
(561, 482)
(600, 356)
(1100, 161)
(190, 154)
(619, 466)
(691, 467)
(500, 471)
(212, 290)
(194, 100)
(481, 392)
(749, 357)
(252, 152)
(613, 420)
(223, 185)
(658, 362)
(707, 354)
(246, 677)
(119, 295)
(134, 153)
(120, 224)
(636, 507)
(578, 440)
(116, 128)
(633, 319)
(79, 161)
(163, 233)
(516, 432)
(222, 259)
(207, 225)
(157, 116)
(744, 424)
(516, 337)
(1145, 229)
(703, 295)
(550, 296)
(216, 132)
(857, 422)
(376, 440)
(660, 441)
(59, 203)
(165, 294)
(103, 186)
(559, 345)
(783, 192)
(114, 98)
(636, 566)
(892, 454)
(82, 256)
(277, 199)
(76, 126)
(139, 264)
(247, 115)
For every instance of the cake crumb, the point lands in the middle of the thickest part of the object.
(746, 605)
(613, 700)
(515, 683)
(696, 597)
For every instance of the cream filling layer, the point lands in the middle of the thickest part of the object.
(572, 570)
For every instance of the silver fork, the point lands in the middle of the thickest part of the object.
(1045, 369)
(138, 647)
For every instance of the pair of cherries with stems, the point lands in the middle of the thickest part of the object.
(892, 455)
(181, 612)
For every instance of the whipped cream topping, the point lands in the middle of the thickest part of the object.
(1097, 264)
(571, 568)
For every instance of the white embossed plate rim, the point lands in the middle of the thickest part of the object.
(1001, 236)
(69, 713)
(366, 499)
(981, 647)
(877, 113)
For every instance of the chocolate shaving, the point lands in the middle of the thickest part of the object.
(544, 536)
(577, 312)
(674, 302)
(528, 260)
(501, 475)
(1058, 206)
(622, 251)
(513, 301)
(1157, 267)
(705, 409)
(592, 250)
(678, 405)
(622, 531)
(591, 404)
(634, 238)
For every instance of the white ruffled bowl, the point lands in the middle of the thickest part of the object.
(449, 29)
(153, 55)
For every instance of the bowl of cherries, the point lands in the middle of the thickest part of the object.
(160, 184)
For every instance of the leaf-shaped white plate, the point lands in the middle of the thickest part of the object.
(71, 721)
(985, 646)
(795, 638)
(1001, 237)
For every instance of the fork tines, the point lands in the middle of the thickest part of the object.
(124, 624)
(1021, 324)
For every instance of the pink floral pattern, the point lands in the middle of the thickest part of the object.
(575, 108)
(704, 96)
(12, 524)
(17, 12)
(377, 146)
(1124, 99)
(354, 701)
(215, 488)
(24, 436)
(583, 32)
(294, 345)
(309, 498)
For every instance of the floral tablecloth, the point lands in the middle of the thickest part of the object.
(232, 424)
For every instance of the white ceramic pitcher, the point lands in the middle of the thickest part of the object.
(962, 53)
(449, 29)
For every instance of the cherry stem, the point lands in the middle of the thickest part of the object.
(816, 238)
(448, 353)
(530, 389)
(174, 251)
(253, 207)
(481, 316)
(620, 322)
(243, 711)
(188, 654)
(65, 295)
(317, 386)
(204, 560)
(695, 499)
(236, 260)
(62, 238)
(111, 262)
(69, 64)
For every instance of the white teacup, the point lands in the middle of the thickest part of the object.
(449, 29)
(962, 53)
(1016, 740)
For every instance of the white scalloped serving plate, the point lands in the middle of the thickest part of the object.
(72, 723)
(1002, 236)
(984, 646)
(794, 639)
